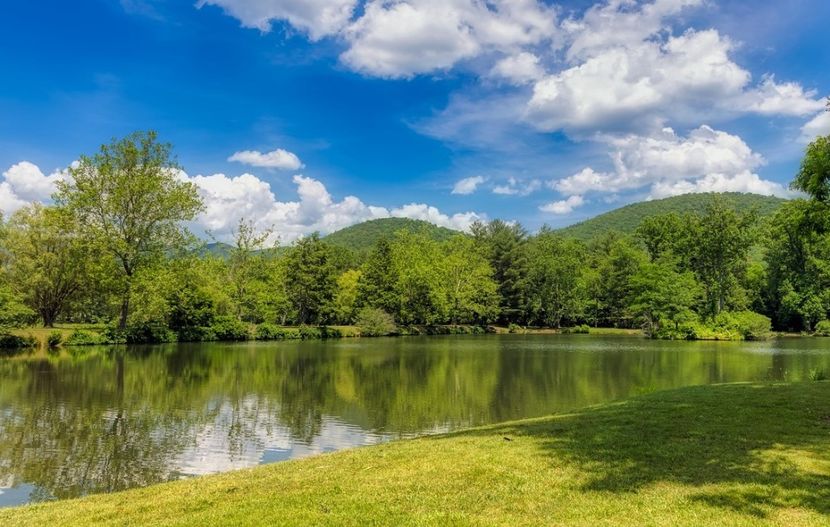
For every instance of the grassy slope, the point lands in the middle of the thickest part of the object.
(747, 454)
(627, 219)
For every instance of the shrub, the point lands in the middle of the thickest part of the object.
(54, 339)
(823, 329)
(149, 333)
(744, 324)
(230, 328)
(196, 334)
(582, 329)
(515, 328)
(374, 322)
(272, 332)
(817, 374)
(80, 337)
(14, 342)
(328, 332)
(310, 332)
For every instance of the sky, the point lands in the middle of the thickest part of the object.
(312, 115)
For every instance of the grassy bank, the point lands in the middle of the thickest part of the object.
(747, 454)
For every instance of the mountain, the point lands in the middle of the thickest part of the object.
(363, 236)
(626, 219)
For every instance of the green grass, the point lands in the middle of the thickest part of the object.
(41, 333)
(741, 454)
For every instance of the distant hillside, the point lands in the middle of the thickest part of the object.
(363, 236)
(627, 219)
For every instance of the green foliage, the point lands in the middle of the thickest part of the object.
(374, 322)
(554, 289)
(14, 342)
(310, 280)
(346, 296)
(229, 327)
(54, 339)
(515, 328)
(823, 329)
(505, 246)
(581, 329)
(817, 375)
(81, 337)
(662, 298)
(813, 176)
(273, 332)
(626, 220)
(131, 203)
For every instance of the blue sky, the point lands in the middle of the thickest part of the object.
(446, 110)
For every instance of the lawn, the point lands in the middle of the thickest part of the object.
(740, 454)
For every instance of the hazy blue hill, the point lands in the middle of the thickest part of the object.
(627, 219)
(363, 236)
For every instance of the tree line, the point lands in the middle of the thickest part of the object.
(113, 249)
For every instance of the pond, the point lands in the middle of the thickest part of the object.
(106, 419)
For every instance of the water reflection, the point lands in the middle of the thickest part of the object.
(109, 419)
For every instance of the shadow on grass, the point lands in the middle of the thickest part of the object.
(756, 448)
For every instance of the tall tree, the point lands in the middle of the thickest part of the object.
(132, 202)
(506, 246)
(472, 294)
(310, 279)
(247, 268)
(378, 279)
(661, 295)
(813, 176)
(49, 261)
(554, 279)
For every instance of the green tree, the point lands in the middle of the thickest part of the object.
(662, 234)
(49, 262)
(472, 295)
(798, 268)
(554, 279)
(661, 295)
(131, 202)
(378, 279)
(720, 240)
(813, 176)
(419, 282)
(310, 279)
(505, 245)
(608, 282)
(247, 265)
(345, 299)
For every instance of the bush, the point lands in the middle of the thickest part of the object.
(230, 328)
(272, 332)
(54, 339)
(14, 342)
(748, 325)
(310, 332)
(582, 329)
(374, 322)
(80, 337)
(196, 334)
(515, 328)
(328, 332)
(149, 333)
(823, 329)
(817, 375)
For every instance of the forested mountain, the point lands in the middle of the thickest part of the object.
(626, 219)
(363, 236)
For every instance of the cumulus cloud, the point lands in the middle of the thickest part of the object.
(815, 127)
(565, 206)
(409, 37)
(24, 183)
(227, 199)
(707, 160)
(519, 69)
(467, 185)
(279, 158)
(317, 18)
(515, 187)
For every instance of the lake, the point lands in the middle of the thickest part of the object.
(106, 419)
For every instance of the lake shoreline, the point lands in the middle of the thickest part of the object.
(635, 461)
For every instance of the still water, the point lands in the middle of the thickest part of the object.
(101, 419)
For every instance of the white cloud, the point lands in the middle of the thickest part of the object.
(515, 187)
(24, 183)
(279, 158)
(817, 126)
(565, 206)
(227, 199)
(706, 161)
(519, 69)
(789, 98)
(467, 185)
(409, 37)
(318, 18)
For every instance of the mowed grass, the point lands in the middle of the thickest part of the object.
(740, 454)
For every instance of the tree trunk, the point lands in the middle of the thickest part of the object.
(125, 311)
